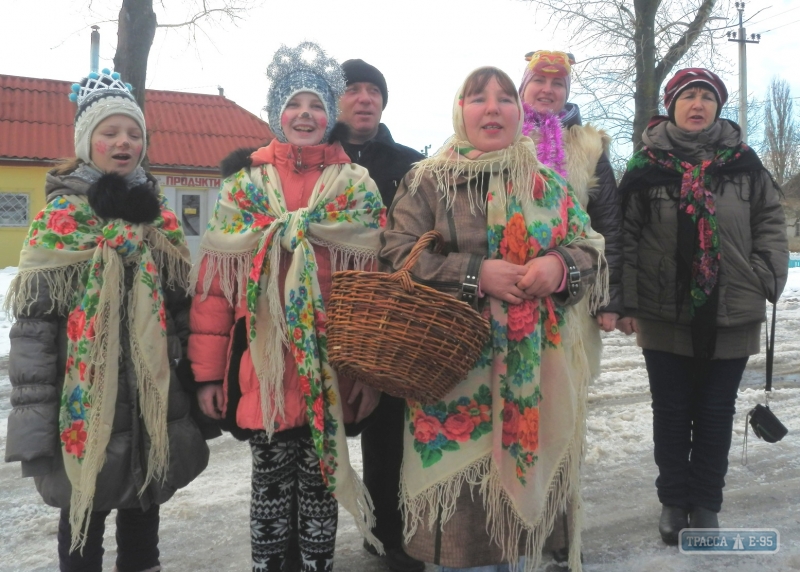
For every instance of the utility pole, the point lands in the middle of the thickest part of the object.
(743, 41)
(94, 52)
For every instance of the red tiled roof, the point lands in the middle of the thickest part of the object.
(185, 129)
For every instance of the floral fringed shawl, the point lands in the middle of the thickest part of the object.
(246, 235)
(68, 245)
(698, 263)
(514, 428)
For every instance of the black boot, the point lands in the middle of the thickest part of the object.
(396, 559)
(703, 518)
(673, 519)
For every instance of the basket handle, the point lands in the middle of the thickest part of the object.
(404, 274)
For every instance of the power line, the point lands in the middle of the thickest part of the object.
(775, 15)
(779, 27)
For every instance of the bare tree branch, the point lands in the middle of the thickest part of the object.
(689, 37)
(781, 134)
(630, 47)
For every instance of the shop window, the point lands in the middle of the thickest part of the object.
(14, 209)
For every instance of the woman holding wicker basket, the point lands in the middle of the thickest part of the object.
(519, 248)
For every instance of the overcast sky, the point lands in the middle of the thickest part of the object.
(424, 48)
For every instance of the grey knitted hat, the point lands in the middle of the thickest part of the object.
(292, 72)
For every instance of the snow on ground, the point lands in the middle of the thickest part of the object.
(204, 528)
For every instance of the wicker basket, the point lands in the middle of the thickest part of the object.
(403, 338)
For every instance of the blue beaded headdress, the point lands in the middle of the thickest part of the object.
(292, 72)
(97, 86)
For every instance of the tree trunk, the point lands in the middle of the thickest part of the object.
(647, 84)
(137, 28)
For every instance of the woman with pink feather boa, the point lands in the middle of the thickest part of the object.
(579, 153)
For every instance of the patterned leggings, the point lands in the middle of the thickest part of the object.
(286, 478)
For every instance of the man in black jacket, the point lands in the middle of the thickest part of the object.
(370, 144)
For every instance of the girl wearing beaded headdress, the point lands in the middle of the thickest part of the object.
(288, 215)
(100, 419)
(578, 152)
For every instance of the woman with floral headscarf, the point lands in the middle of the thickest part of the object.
(486, 467)
(705, 247)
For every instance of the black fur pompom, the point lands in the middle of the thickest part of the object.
(340, 132)
(236, 161)
(110, 197)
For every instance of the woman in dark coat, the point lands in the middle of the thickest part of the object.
(100, 419)
(705, 247)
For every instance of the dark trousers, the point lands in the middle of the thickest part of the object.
(382, 455)
(693, 406)
(137, 541)
(286, 482)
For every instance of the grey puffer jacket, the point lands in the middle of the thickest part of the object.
(753, 249)
(37, 364)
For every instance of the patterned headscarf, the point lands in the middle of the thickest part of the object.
(457, 157)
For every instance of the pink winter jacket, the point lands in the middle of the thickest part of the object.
(212, 319)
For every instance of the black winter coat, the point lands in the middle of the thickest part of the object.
(387, 161)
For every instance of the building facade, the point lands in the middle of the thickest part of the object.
(189, 134)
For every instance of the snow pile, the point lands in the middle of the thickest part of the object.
(205, 527)
(6, 276)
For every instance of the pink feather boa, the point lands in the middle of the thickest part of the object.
(550, 149)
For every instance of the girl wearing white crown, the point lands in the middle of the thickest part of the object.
(100, 420)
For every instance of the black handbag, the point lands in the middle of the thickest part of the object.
(765, 424)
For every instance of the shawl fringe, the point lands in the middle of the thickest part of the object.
(447, 165)
(599, 294)
(504, 525)
(23, 291)
(361, 507)
(231, 267)
(154, 408)
(344, 258)
(275, 336)
(167, 256)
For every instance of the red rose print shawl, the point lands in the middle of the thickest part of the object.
(514, 427)
(81, 257)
